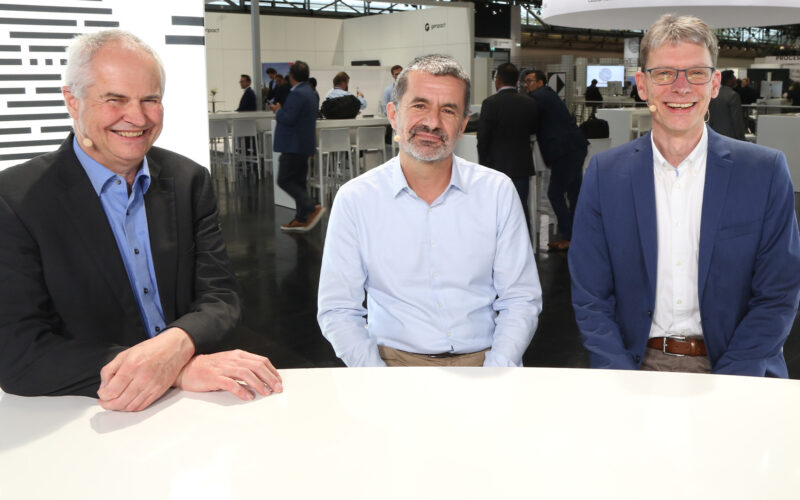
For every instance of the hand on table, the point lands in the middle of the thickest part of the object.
(141, 374)
(224, 371)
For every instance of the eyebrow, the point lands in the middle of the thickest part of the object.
(426, 101)
(123, 96)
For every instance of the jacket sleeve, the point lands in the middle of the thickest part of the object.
(37, 357)
(775, 285)
(216, 308)
(593, 297)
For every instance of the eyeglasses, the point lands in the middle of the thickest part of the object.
(696, 76)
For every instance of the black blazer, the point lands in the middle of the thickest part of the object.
(507, 121)
(726, 115)
(66, 305)
(248, 101)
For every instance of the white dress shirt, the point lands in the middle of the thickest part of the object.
(679, 207)
(455, 276)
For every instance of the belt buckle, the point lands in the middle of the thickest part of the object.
(664, 345)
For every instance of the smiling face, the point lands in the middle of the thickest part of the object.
(430, 116)
(680, 106)
(121, 111)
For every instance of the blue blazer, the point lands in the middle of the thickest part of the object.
(297, 122)
(748, 264)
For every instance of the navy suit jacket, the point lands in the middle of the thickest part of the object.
(748, 264)
(248, 101)
(297, 121)
(560, 140)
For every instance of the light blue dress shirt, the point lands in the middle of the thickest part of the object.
(387, 97)
(128, 220)
(454, 276)
(337, 92)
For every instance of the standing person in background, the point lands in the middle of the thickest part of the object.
(282, 89)
(725, 111)
(295, 139)
(387, 92)
(746, 92)
(593, 96)
(507, 121)
(271, 84)
(341, 84)
(248, 102)
(685, 254)
(563, 148)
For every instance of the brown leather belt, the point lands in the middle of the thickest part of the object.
(679, 346)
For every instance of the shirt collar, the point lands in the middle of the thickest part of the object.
(100, 175)
(399, 182)
(506, 87)
(689, 164)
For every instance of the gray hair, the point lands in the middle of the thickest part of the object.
(673, 29)
(436, 65)
(83, 49)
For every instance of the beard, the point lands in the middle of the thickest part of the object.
(427, 153)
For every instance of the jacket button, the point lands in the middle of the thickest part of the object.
(650, 314)
(636, 358)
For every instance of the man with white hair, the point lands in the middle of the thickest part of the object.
(438, 244)
(114, 279)
(685, 253)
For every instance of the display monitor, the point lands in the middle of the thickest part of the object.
(604, 74)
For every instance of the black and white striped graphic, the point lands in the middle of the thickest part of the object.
(34, 35)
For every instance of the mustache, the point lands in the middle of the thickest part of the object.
(424, 128)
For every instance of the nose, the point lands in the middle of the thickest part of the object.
(432, 118)
(681, 83)
(134, 113)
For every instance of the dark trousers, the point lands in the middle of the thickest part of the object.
(566, 180)
(293, 169)
(523, 185)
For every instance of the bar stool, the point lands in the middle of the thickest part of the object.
(369, 139)
(331, 169)
(218, 132)
(246, 129)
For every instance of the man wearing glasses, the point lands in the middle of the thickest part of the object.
(685, 253)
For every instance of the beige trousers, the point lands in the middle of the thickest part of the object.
(396, 357)
(657, 361)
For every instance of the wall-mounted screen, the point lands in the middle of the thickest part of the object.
(604, 74)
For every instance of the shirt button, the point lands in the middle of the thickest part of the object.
(158, 329)
(678, 263)
(136, 251)
(146, 290)
(679, 302)
(441, 305)
(433, 242)
(435, 275)
(449, 334)
(117, 182)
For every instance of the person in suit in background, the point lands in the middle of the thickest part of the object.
(281, 90)
(114, 279)
(593, 96)
(726, 116)
(295, 139)
(270, 85)
(746, 92)
(248, 102)
(563, 148)
(685, 254)
(507, 121)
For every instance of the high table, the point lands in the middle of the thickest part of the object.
(419, 433)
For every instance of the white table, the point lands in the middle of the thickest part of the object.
(419, 433)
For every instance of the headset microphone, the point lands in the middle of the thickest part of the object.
(397, 138)
(652, 108)
(87, 143)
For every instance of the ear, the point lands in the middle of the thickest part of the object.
(391, 114)
(641, 87)
(71, 102)
(716, 82)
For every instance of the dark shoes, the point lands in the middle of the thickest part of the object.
(558, 246)
(303, 227)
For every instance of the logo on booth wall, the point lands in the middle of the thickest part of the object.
(429, 26)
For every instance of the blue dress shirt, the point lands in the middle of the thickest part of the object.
(454, 276)
(337, 92)
(128, 220)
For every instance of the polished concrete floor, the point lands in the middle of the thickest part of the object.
(279, 274)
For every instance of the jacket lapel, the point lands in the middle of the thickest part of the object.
(83, 208)
(644, 197)
(718, 172)
(161, 224)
